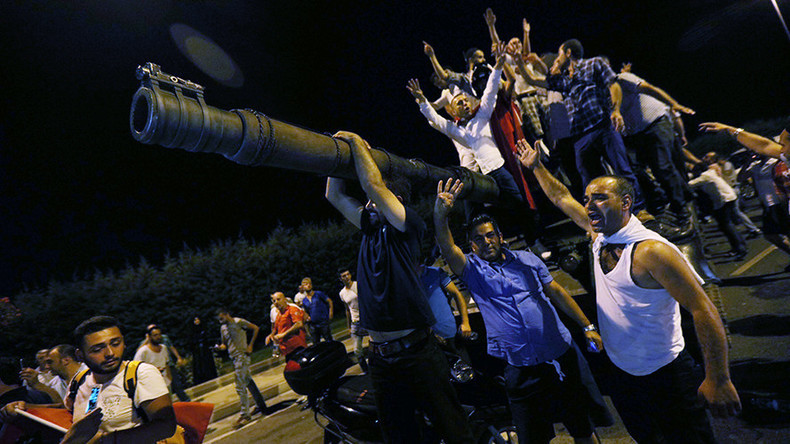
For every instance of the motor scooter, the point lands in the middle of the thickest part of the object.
(344, 405)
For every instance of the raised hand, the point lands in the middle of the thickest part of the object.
(525, 26)
(414, 88)
(446, 194)
(626, 67)
(500, 54)
(527, 155)
(427, 49)
(489, 17)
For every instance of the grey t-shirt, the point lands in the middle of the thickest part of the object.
(234, 336)
(638, 110)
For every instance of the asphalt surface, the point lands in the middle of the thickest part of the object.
(753, 299)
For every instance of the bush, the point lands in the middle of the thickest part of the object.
(238, 274)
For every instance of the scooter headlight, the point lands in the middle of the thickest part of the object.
(461, 371)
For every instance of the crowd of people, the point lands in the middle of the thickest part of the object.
(608, 150)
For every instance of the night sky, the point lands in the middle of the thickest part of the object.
(77, 193)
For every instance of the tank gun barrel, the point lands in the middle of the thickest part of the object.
(172, 112)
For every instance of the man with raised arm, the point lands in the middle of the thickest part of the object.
(761, 145)
(473, 130)
(641, 279)
(590, 89)
(406, 366)
(516, 296)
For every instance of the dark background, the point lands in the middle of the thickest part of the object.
(77, 193)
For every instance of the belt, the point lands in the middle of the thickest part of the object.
(526, 94)
(390, 348)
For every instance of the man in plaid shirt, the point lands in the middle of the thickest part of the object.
(590, 89)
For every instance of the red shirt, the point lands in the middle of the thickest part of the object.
(285, 321)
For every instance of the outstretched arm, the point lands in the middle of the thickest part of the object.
(529, 77)
(437, 67)
(526, 47)
(660, 94)
(490, 19)
(446, 195)
(758, 144)
(347, 205)
(558, 193)
(372, 182)
(671, 271)
(436, 121)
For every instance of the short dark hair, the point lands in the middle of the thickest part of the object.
(92, 325)
(221, 310)
(469, 53)
(621, 186)
(577, 50)
(66, 351)
(481, 219)
(399, 187)
(342, 270)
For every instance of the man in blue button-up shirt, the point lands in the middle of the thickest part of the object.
(515, 293)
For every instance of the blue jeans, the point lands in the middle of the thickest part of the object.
(604, 141)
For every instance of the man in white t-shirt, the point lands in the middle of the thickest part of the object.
(155, 353)
(348, 294)
(103, 411)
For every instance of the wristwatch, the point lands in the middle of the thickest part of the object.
(590, 327)
(736, 132)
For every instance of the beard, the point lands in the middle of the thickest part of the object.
(103, 369)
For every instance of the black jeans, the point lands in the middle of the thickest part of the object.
(653, 148)
(725, 218)
(417, 377)
(538, 397)
(663, 407)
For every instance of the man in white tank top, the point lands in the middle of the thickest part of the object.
(641, 279)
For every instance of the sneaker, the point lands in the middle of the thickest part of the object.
(754, 234)
(241, 422)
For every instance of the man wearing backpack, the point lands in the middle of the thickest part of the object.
(110, 402)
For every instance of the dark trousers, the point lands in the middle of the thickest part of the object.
(177, 385)
(417, 377)
(318, 331)
(604, 141)
(537, 396)
(653, 148)
(726, 218)
(663, 407)
(516, 208)
(256, 396)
